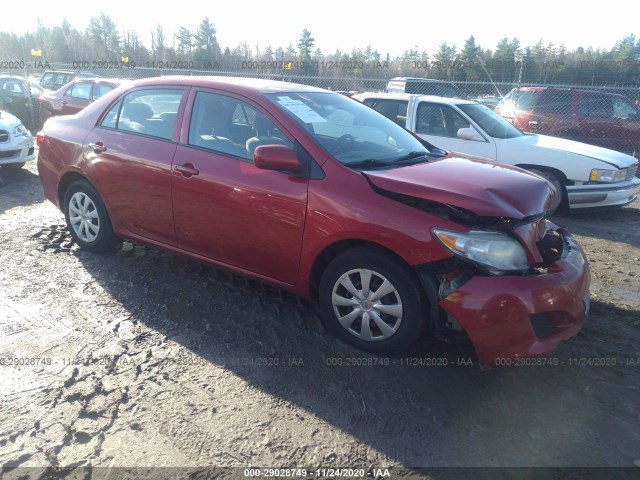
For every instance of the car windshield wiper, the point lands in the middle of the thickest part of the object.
(372, 162)
(411, 156)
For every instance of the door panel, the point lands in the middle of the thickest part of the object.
(133, 175)
(233, 212)
(130, 157)
(227, 209)
(596, 113)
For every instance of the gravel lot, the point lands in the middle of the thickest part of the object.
(140, 358)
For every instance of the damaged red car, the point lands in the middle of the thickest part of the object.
(316, 193)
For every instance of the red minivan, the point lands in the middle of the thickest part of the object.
(598, 118)
(318, 194)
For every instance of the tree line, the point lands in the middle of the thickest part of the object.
(200, 49)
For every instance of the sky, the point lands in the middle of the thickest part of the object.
(391, 27)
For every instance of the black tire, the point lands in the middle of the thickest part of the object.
(556, 184)
(97, 234)
(407, 293)
(14, 166)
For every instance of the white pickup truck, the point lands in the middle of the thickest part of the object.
(586, 176)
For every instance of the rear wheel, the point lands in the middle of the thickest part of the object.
(556, 185)
(87, 218)
(372, 301)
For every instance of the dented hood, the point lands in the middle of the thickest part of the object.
(482, 187)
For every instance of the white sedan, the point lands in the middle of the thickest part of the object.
(585, 175)
(16, 143)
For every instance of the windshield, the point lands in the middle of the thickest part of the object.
(349, 131)
(524, 99)
(489, 121)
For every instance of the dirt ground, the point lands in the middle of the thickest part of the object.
(140, 358)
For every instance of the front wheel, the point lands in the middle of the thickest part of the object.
(87, 218)
(372, 301)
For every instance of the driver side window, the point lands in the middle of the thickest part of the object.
(232, 127)
(439, 120)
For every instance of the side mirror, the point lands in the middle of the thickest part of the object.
(276, 157)
(470, 134)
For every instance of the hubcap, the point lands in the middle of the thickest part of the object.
(83, 217)
(367, 305)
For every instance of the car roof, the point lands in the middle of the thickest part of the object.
(72, 72)
(408, 96)
(115, 81)
(418, 79)
(238, 83)
(566, 89)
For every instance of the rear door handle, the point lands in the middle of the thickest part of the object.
(98, 147)
(63, 102)
(187, 169)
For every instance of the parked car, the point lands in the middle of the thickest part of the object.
(74, 96)
(16, 143)
(55, 79)
(316, 193)
(36, 89)
(490, 101)
(424, 86)
(604, 119)
(585, 176)
(18, 98)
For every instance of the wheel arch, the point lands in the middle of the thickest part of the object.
(331, 251)
(558, 173)
(66, 180)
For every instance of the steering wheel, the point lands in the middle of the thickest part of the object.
(344, 143)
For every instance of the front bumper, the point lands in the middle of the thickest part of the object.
(603, 195)
(17, 150)
(509, 317)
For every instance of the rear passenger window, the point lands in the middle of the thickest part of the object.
(148, 112)
(623, 109)
(99, 89)
(596, 106)
(80, 90)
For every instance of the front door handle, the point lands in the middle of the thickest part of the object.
(98, 147)
(187, 169)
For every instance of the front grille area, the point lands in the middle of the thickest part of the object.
(9, 153)
(632, 171)
(550, 247)
(542, 324)
(4, 136)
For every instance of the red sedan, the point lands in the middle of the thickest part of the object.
(316, 193)
(74, 96)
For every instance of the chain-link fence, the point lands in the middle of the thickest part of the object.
(607, 116)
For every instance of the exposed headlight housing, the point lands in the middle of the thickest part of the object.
(608, 176)
(496, 252)
(20, 131)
